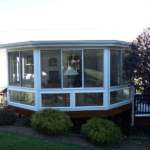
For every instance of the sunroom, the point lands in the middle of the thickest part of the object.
(79, 77)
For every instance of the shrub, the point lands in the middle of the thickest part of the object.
(7, 116)
(51, 121)
(101, 131)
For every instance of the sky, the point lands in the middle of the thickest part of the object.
(25, 20)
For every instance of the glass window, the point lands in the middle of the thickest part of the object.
(72, 68)
(56, 100)
(124, 81)
(22, 97)
(27, 69)
(13, 63)
(89, 99)
(120, 96)
(115, 67)
(23, 70)
(93, 68)
(51, 69)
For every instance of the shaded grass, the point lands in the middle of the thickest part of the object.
(13, 141)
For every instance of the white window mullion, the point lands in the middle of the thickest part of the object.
(121, 68)
(61, 69)
(20, 69)
(37, 77)
(82, 68)
(106, 76)
(7, 72)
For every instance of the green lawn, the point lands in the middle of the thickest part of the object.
(12, 141)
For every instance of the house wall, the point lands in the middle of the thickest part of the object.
(3, 68)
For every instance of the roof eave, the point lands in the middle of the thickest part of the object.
(111, 43)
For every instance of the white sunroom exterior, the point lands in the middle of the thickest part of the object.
(38, 75)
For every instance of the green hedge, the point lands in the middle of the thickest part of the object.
(51, 121)
(101, 131)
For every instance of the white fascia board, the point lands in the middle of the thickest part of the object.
(74, 43)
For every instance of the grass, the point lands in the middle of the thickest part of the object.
(12, 141)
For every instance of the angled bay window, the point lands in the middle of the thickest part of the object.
(93, 68)
(51, 69)
(21, 72)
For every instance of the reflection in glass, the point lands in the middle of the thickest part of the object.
(89, 99)
(22, 97)
(115, 67)
(56, 100)
(124, 81)
(27, 69)
(93, 68)
(13, 64)
(120, 96)
(51, 69)
(72, 68)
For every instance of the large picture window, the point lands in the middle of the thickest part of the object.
(117, 74)
(72, 68)
(21, 68)
(93, 68)
(27, 69)
(51, 69)
(124, 80)
(115, 71)
(14, 71)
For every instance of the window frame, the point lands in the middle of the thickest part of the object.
(37, 90)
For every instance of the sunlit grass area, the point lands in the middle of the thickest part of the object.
(12, 141)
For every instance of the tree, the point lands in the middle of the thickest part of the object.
(137, 64)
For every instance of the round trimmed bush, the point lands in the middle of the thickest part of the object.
(51, 121)
(101, 131)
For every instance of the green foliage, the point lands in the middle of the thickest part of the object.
(101, 131)
(7, 116)
(137, 64)
(51, 121)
